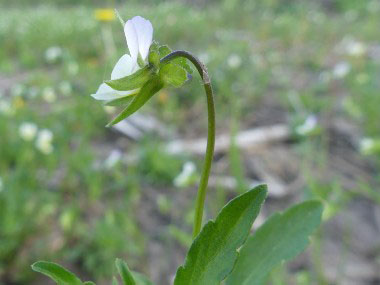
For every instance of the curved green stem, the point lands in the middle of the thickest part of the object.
(202, 188)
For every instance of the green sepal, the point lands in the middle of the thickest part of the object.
(165, 50)
(213, 253)
(280, 238)
(124, 272)
(133, 81)
(57, 273)
(173, 74)
(120, 101)
(146, 92)
(154, 56)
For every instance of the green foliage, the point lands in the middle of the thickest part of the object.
(57, 273)
(213, 253)
(147, 91)
(280, 238)
(125, 273)
(173, 75)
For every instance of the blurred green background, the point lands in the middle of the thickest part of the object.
(77, 193)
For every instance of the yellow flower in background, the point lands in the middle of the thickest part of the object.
(18, 103)
(104, 15)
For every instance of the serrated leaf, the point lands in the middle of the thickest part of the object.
(120, 101)
(125, 273)
(57, 273)
(147, 91)
(280, 238)
(173, 74)
(213, 253)
(133, 81)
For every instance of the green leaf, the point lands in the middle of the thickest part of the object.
(125, 273)
(282, 237)
(120, 101)
(147, 91)
(133, 81)
(213, 253)
(56, 272)
(173, 74)
(89, 283)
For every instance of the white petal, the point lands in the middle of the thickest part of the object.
(107, 93)
(144, 31)
(123, 67)
(132, 40)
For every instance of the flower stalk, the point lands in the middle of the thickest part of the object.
(202, 188)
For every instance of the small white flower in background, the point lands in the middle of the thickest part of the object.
(234, 61)
(308, 126)
(112, 159)
(17, 90)
(139, 34)
(52, 54)
(109, 109)
(44, 141)
(186, 175)
(48, 94)
(341, 69)
(28, 131)
(72, 68)
(6, 108)
(65, 88)
(356, 48)
(368, 146)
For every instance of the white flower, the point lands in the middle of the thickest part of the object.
(139, 33)
(6, 108)
(184, 178)
(308, 126)
(65, 87)
(113, 159)
(27, 131)
(234, 61)
(44, 141)
(17, 90)
(341, 69)
(356, 48)
(49, 94)
(52, 54)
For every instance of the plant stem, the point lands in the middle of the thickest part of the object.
(202, 188)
